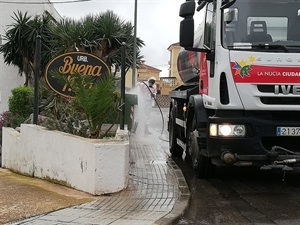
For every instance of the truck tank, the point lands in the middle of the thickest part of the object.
(188, 66)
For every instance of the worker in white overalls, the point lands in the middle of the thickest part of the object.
(146, 93)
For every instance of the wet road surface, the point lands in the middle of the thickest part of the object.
(242, 196)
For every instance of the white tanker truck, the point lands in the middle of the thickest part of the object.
(240, 101)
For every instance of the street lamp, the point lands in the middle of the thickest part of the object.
(134, 46)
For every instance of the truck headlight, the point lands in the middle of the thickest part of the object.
(227, 130)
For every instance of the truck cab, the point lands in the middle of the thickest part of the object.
(244, 61)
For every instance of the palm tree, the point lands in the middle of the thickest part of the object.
(19, 49)
(101, 35)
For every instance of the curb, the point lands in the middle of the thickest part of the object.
(183, 202)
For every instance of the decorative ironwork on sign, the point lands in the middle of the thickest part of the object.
(70, 63)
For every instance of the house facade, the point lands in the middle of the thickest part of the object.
(9, 75)
(173, 80)
(143, 73)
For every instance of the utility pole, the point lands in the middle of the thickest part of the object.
(36, 79)
(134, 46)
(123, 65)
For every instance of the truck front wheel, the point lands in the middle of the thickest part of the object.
(175, 149)
(201, 164)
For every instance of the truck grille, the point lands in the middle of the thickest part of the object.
(275, 100)
(280, 100)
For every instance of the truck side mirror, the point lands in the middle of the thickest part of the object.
(187, 9)
(186, 33)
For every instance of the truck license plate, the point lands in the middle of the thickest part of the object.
(288, 131)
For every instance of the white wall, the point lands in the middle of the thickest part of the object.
(91, 165)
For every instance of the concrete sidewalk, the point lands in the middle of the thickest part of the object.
(157, 192)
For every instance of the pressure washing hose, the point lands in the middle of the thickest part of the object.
(161, 113)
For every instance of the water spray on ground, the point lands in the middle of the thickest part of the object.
(140, 115)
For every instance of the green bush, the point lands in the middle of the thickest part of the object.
(97, 99)
(21, 102)
(20, 105)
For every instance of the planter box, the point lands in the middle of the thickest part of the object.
(91, 165)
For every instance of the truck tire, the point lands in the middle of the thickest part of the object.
(202, 165)
(175, 149)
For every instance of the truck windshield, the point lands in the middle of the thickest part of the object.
(262, 25)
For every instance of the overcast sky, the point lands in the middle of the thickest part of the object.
(157, 22)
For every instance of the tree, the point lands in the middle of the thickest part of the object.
(101, 34)
(19, 49)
